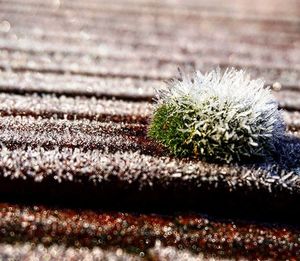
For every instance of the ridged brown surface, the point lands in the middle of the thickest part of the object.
(77, 79)
(138, 233)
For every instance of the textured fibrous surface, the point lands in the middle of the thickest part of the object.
(77, 79)
(30, 82)
(138, 170)
(84, 134)
(73, 108)
(138, 233)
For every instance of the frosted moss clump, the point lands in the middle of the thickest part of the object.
(217, 116)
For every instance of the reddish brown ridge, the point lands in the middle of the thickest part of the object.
(139, 232)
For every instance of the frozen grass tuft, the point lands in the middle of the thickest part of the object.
(217, 116)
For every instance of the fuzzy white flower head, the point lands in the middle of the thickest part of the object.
(222, 116)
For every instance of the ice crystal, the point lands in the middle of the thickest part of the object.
(217, 116)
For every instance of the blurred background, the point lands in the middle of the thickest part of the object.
(146, 39)
(82, 74)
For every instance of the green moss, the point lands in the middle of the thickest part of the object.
(207, 131)
(165, 127)
(219, 117)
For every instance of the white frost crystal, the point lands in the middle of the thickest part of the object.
(219, 116)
